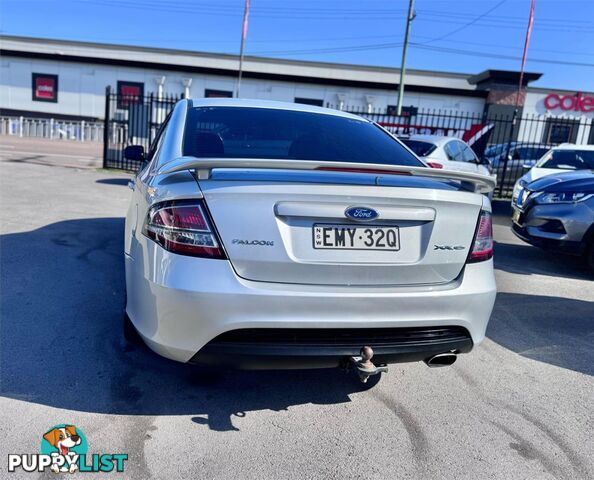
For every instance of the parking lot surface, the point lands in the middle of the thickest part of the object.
(521, 405)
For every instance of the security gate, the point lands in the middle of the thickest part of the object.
(131, 120)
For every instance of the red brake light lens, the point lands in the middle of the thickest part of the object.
(183, 216)
(183, 228)
(434, 165)
(482, 246)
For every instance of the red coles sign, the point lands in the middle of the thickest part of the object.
(575, 103)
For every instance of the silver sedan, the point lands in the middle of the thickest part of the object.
(272, 235)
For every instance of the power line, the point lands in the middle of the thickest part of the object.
(466, 25)
(474, 53)
(507, 18)
(343, 14)
(512, 47)
(454, 51)
(352, 48)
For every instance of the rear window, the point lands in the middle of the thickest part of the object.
(568, 160)
(242, 132)
(529, 153)
(422, 149)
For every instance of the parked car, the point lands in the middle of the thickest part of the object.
(557, 212)
(565, 157)
(276, 235)
(495, 150)
(449, 153)
(519, 154)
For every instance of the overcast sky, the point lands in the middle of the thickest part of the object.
(459, 36)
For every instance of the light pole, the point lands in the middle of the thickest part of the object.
(410, 17)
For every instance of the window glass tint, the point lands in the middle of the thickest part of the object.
(467, 153)
(210, 93)
(568, 159)
(241, 132)
(496, 150)
(529, 153)
(452, 150)
(422, 149)
(157, 140)
(310, 101)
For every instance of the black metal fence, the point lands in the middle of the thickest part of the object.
(131, 120)
(508, 143)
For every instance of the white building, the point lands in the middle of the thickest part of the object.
(68, 80)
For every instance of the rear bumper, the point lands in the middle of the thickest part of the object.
(180, 304)
(324, 348)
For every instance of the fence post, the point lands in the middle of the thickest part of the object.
(507, 149)
(106, 126)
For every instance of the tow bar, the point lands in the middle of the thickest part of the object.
(364, 365)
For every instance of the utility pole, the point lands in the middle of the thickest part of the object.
(410, 17)
(246, 13)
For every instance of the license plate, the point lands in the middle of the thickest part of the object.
(351, 237)
(516, 216)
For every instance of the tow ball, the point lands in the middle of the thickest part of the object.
(364, 365)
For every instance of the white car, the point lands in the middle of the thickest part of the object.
(449, 153)
(277, 235)
(566, 157)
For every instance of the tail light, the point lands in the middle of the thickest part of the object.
(183, 227)
(434, 165)
(482, 246)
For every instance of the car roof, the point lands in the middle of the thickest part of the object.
(573, 146)
(434, 139)
(257, 103)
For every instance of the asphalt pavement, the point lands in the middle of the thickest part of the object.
(521, 405)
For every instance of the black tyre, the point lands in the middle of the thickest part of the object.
(590, 254)
(131, 335)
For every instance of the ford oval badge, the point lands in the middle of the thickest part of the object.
(361, 214)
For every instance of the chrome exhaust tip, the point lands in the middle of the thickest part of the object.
(441, 360)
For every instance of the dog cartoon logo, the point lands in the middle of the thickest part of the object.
(67, 442)
(64, 449)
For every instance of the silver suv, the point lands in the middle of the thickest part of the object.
(557, 212)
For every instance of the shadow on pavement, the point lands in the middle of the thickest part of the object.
(502, 212)
(114, 181)
(61, 343)
(554, 330)
(528, 260)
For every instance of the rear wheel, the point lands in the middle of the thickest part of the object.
(590, 254)
(130, 333)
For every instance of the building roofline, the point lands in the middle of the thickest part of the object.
(339, 75)
(503, 76)
(557, 90)
(230, 56)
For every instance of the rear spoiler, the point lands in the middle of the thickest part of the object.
(204, 166)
